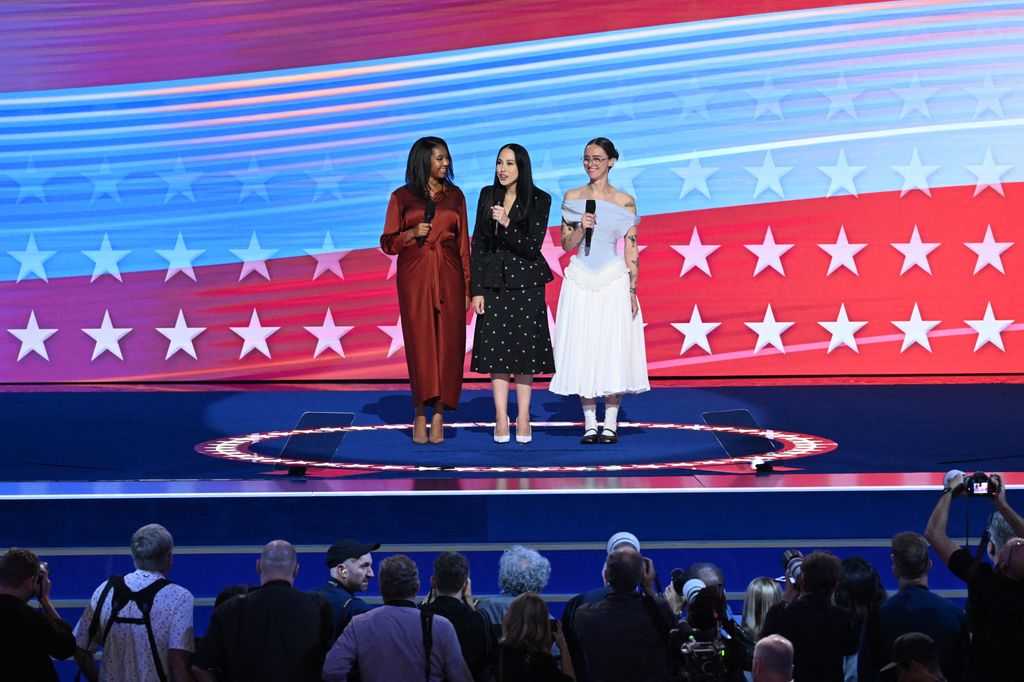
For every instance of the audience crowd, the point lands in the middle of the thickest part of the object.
(825, 620)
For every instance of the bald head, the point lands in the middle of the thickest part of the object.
(1011, 558)
(278, 561)
(773, 660)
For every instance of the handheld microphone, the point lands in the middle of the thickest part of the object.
(588, 233)
(428, 215)
(498, 199)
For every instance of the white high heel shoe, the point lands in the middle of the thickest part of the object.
(523, 439)
(507, 437)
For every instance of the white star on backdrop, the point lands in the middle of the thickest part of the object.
(695, 100)
(915, 175)
(841, 175)
(552, 252)
(33, 338)
(842, 253)
(843, 330)
(769, 176)
(328, 335)
(105, 260)
(695, 332)
(915, 252)
(841, 99)
(769, 331)
(915, 97)
(179, 181)
(394, 331)
(549, 177)
(107, 337)
(328, 258)
(624, 177)
(180, 337)
(253, 181)
(989, 251)
(393, 263)
(989, 97)
(695, 177)
(989, 174)
(769, 98)
(104, 182)
(989, 329)
(179, 259)
(328, 180)
(30, 182)
(915, 330)
(254, 336)
(769, 254)
(31, 259)
(695, 254)
(254, 258)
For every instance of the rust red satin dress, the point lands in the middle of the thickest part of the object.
(433, 281)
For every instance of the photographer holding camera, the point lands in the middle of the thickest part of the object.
(995, 594)
(28, 638)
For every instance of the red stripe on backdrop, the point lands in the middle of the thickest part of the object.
(52, 46)
(732, 296)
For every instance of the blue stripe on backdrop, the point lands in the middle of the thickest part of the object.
(328, 143)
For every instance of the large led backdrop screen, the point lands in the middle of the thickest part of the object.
(195, 191)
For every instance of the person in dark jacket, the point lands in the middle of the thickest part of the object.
(28, 638)
(451, 597)
(508, 274)
(525, 651)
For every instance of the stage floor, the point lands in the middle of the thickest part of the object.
(229, 441)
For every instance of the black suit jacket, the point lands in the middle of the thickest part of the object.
(509, 257)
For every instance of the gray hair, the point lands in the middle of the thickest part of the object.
(521, 569)
(151, 548)
(999, 531)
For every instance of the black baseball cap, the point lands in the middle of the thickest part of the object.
(912, 646)
(348, 549)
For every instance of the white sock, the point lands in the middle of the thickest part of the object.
(590, 417)
(611, 417)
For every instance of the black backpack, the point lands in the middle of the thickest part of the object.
(143, 599)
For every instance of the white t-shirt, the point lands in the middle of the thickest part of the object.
(126, 653)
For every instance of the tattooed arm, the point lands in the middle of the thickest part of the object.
(632, 255)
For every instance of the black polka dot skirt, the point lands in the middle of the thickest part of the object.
(512, 335)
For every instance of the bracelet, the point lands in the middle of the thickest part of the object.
(945, 490)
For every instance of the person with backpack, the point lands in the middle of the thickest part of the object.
(142, 620)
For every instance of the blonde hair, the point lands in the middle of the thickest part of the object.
(527, 625)
(762, 594)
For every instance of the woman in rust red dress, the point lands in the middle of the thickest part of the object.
(432, 279)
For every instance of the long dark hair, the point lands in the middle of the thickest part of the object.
(524, 184)
(417, 168)
(860, 587)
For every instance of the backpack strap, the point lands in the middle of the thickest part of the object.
(94, 624)
(143, 600)
(427, 624)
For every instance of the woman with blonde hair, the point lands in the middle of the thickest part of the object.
(762, 594)
(524, 652)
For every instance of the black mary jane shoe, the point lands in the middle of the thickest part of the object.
(608, 437)
(590, 437)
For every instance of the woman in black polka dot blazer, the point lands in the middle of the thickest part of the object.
(508, 274)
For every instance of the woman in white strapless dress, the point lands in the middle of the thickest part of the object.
(599, 330)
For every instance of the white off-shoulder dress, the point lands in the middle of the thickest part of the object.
(599, 345)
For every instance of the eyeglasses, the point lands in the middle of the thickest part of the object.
(594, 159)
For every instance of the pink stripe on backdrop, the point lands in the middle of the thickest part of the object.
(64, 45)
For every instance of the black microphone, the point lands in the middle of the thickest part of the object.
(497, 199)
(428, 215)
(588, 233)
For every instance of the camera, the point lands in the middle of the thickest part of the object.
(793, 562)
(555, 625)
(980, 484)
